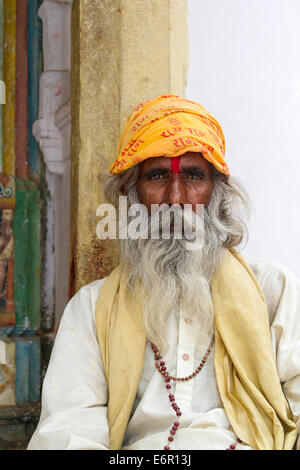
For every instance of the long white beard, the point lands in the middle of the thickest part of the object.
(172, 275)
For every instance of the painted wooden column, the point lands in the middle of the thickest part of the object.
(7, 205)
(21, 89)
(34, 39)
(7, 202)
(7, 180)
(20, 230)
(34, 256)
(26, 225)
(20, 356)
(2, 84)
(122, 53)
(9, 77)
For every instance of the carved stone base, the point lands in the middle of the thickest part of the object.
(17, 424)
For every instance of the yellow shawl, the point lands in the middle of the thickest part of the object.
(245, 368)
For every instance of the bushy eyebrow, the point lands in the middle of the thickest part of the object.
(190, 170)
(155, 171)
(195, 170)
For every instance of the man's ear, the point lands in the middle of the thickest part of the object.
(224, 178)
(218, 175)
(221, 177)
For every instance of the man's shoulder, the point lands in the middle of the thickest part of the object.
(83, 303)
(91, 289)
(280, 286)
(272, 272)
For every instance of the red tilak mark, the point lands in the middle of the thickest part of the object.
(175, 164)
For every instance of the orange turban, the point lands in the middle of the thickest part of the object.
(169, 126)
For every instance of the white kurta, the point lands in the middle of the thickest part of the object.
(75, 395)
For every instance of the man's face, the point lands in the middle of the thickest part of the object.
(158, 184)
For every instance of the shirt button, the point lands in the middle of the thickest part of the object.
(185, 357)
(188, 321)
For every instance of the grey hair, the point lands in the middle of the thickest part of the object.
(229, 208)
(120, 184)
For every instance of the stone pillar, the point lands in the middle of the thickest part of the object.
(123, 51)
(52, 130)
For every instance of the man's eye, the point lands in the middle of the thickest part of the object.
(157, 176)
(194, 176)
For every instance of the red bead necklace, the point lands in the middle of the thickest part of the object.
(162, 369)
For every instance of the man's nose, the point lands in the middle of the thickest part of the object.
(176, 190)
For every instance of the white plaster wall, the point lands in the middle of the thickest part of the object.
(244, 68)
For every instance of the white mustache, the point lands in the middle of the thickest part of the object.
(174, 222)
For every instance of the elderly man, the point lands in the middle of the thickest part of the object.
(178, 348)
